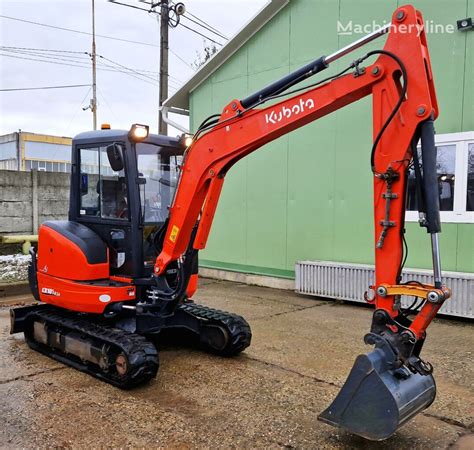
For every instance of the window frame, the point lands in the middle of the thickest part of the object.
(100, 218)
(459, 214)
(162, 151)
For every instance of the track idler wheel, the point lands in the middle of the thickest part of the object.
(214, 337)
(219, 332)
(378, 398)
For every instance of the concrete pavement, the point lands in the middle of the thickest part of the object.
(270, 396)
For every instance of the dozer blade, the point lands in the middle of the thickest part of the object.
(377, 399)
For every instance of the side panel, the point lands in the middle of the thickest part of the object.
(267, 193)
(82, 297)
(229, 227)
(311, 155)
(468, 108)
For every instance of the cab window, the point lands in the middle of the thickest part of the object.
(159, 169)
(103, 191)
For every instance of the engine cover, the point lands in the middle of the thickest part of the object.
(71, 251)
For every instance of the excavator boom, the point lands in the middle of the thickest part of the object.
(393, 377)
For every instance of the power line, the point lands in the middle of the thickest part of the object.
(80, 106)
(182, 60)
(205, 27)
(199, 22)
(204, 22)
(130, 72)
(178, 57)
(107, 103)
(210, 26)
(41, 49)
(45, 53)
(201, 34)
(86, 33)
(128, 68)
(46, 61)
(109, 68)
(158, 13)
(170, 84)
(89, 34)
(132, 6)
(44, 87)
(58, 57)
(175, 79)
(73, 58)
(78, 31)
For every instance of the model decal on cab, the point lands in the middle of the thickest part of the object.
(49, 291)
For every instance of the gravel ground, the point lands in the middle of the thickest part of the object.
(268, 397)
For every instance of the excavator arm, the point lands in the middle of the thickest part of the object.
(400, 81)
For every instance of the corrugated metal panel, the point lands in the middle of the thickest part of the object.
(350, 281)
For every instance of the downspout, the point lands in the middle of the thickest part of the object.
(18, 151)
(164, 110)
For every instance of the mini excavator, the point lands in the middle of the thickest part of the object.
(122, 270)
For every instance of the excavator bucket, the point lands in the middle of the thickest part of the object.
(377, 399)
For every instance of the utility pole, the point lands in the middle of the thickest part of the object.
(93, 104)
(169, 16)
(164, 44)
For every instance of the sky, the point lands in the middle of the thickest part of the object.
(123, 98)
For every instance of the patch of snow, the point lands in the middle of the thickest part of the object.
(14, 258)
(14, 267)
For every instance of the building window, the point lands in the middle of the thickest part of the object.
(470, 178)
(47, 166)
(455, 167)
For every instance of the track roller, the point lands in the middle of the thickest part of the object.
(120, 358)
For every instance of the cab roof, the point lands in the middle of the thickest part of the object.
(97, 136)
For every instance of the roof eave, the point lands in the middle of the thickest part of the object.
(180, 99)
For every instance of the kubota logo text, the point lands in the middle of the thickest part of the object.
(276, 116)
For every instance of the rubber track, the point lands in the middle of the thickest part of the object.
(141, 354)
(237, 327)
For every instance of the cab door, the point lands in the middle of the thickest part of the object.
(103, 204)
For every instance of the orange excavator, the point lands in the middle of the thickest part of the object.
(122, 270)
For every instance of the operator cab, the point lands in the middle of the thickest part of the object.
(122, 185)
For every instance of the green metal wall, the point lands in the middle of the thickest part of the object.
(308, 195)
